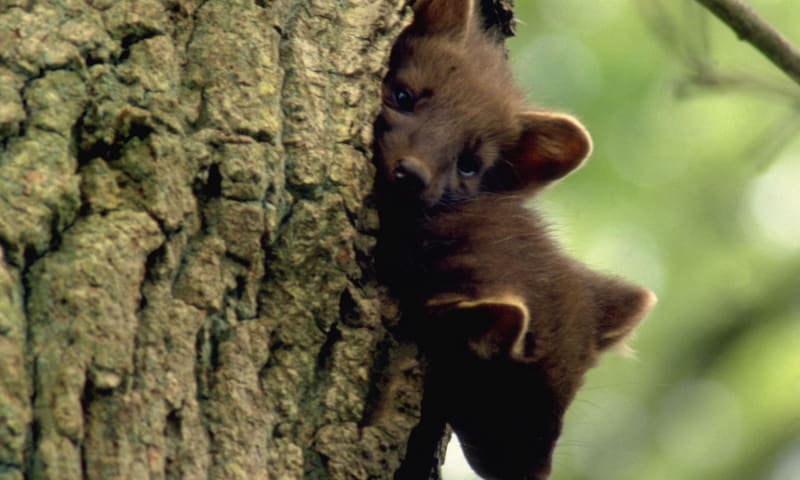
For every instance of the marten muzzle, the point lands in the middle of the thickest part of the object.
(412, 175)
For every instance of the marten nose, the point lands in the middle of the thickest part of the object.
(412, 174)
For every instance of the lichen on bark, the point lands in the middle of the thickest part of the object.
(185, 283)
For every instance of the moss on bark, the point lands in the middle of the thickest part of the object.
(185, 285)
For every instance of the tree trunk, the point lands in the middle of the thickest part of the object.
(186, 283)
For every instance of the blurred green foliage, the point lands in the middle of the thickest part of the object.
(693, 190)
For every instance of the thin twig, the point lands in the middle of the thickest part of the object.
(749, 26)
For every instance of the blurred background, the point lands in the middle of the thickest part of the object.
(693, 190)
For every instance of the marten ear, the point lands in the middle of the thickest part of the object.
(452, 17)
(620, 307)
(490, 327)
(550, 146)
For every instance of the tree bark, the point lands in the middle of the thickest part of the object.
(186, 283)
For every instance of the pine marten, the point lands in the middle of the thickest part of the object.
(509, 323)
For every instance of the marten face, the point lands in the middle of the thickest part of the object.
(453, 124)
(504, 401)
(445, 122)
(509, 425)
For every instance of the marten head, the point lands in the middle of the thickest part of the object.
(453, 123)
(505, 389)
(512, 326)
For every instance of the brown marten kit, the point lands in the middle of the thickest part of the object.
(454, 124)
(509, 323)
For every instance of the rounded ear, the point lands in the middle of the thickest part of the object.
(550, 146)
(442, 16)
(490, 327)
(620, 308)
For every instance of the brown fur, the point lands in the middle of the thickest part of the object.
(509, 322)
(464, 104)
(511, 325)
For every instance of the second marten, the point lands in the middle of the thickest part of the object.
(510, 325)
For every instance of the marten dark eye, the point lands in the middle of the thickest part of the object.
(403, 99)
(468, 164)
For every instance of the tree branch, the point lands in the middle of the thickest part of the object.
(749, 26)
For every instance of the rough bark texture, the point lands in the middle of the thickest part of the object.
(186, 286)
